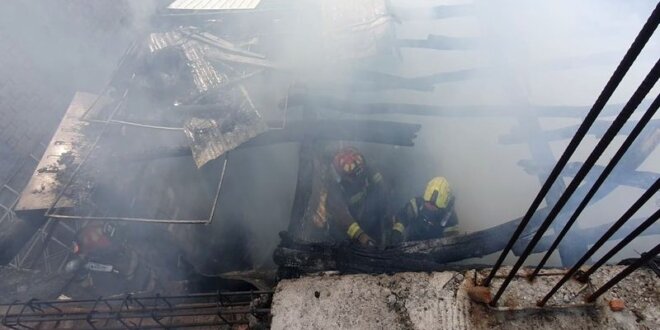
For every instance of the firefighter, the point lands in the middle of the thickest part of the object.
(357, 199)
(97, 240)
(101, 247)
(430, 216)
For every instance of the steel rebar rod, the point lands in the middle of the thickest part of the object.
(97, 316)
(588, 164)
(631, 55)
(152, 220)
(623, 243)
(643, 89)
(135, 124)
(603, 239)
(131, 309)
(149, 298)
(645, 258)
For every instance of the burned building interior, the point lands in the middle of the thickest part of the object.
(172, 163)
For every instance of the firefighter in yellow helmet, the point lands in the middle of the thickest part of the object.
(428, 216)
(357, 200)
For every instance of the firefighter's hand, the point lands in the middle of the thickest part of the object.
(365, 240)
(396, 238)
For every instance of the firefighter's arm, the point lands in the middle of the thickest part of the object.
(382, 190)
(343, 219)
(452, 226)
(400, 221)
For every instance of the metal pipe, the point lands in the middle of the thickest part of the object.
(143, 308)
(631, 55)
(150, 220)
(129, 314)
(611, 133)
(623, 243)
(186, 296)
(119, 104)
(603, 239)
(217, 192)
(131, 309)
(588, 164)
(130, 123)
(645, 258)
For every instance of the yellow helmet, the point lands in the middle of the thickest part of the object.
(438, 192)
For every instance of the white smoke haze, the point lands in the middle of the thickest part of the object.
(491, 188)
(521, 40)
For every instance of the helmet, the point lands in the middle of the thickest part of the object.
(438, 193)
(349, 162)
(94, 238)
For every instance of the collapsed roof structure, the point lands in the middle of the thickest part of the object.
(155, 145)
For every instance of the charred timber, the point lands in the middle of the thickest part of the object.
(632, 178)
(593, 233)
(433, 41)
(337, 104)
(384, 132)
(598, 129)
(433, 12)
(296, 257)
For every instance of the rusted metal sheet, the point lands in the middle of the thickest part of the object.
(214, 4)
(158, 41)
(210, 138)
(62, 155)
(204, 75)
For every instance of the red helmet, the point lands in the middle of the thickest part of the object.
(348, 162)
(93, 238)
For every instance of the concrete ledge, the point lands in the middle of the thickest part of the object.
(440, 301)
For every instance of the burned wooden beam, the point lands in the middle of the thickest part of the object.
(304, 179)
(625, 173)
(215, 41)
(599, 127)
(632, 178)
(433, 12)
(367, 80)
(430, 255)
(384, 132)
(439, 42)
(297, 257)
(325, 102)
(593, 233)
(218, 56)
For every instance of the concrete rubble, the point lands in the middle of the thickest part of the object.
(440, 301)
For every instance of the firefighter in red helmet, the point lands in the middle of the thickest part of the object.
(358, 198)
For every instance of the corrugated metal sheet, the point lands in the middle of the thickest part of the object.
(239, 122)
(158, 41)
(205, 76)
(214, 4)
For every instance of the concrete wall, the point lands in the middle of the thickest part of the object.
(441, 301)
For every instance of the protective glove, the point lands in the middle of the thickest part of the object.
(396, 238)
(365, 240)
